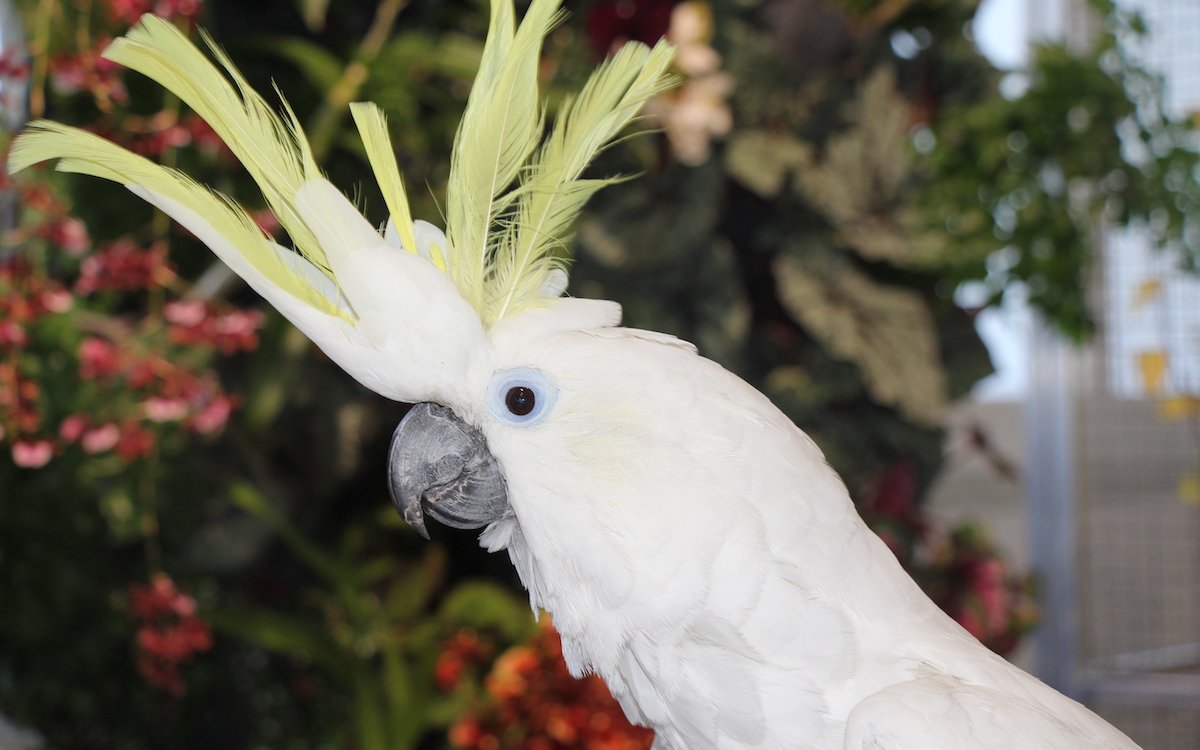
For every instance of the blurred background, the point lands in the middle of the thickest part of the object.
(955, 241)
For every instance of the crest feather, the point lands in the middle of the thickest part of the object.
(500, 128)
(372, 128)
(274, 151)
(86, 153)
(552, 193)
(514, 190)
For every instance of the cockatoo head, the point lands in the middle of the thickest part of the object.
(568, 443)
(441, 462)
(468, 324)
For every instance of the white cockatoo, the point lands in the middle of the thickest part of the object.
(691, 543)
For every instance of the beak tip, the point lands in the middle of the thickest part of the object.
(415, 518)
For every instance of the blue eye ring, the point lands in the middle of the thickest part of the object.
(521, 396)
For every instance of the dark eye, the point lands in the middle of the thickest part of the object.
(520, 396)
(520, 400)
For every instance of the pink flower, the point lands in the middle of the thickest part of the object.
(87, 71)
(971, 623)
(159, 409)
(97, 359)
(122, 266)
(13, 64)
(990, 588)
(135, 441)
(185, 312)
(71, 235)
(103, 64)
(100, 439)
(155, 143)
(177, 8)
(206, 138)
(129, 11)
(159, 597)
(21, 395)
(193, 322)
(32, 454)
(40, 198)
(68, 75)
(170, 633)
(144, 373)
(213, 416)
(72, 428)
(12, 333)
(55, 300)
(236, 331)
(266, 221)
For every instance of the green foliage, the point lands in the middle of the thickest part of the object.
(797, 256)
(1021, 186)
(374, 623)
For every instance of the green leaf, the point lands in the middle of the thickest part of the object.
(888, 332)
(369, 719)
(860, 184)
(318, 65)
(255, 503)
(409, 594)
(405, 702)
(124, 517)
(488, 606)
(284, 634)
(763, 161)
(313, 12)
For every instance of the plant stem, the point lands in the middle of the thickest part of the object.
(328, 117)
(39, 60)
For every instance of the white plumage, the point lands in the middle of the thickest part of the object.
(699, 554)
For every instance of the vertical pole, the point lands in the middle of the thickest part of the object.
(14, 100)
(1051, 485)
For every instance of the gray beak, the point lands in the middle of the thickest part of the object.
(440, 465)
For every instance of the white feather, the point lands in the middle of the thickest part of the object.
(697, 552)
